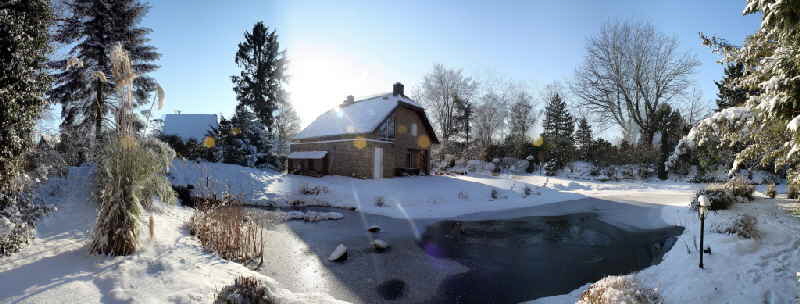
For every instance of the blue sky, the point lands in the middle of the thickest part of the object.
(338, 48)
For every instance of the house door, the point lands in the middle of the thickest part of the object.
(377, 163)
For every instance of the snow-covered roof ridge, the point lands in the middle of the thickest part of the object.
(187, 126)
(362, 116)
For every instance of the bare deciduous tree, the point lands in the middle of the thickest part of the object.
(438, 91)
(629, 70)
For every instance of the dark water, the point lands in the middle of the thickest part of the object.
(530, 257)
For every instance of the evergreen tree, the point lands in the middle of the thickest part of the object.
(672, 125)
(84, 82)
(462, 118)
(23, 80)
(558, 134)
(259, 85)
(583, 138)
(558, 122)
(731, 95)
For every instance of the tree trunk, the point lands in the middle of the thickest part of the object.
(98, 124)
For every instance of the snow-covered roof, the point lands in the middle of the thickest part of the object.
(188, 126)
(363, 116)
(307, 155)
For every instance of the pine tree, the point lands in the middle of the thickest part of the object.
(729, 95)
(462, 118)
(558, 122)
(558, 134)
(259, 85)
(23, 80)
(583, 138)
(84, 83)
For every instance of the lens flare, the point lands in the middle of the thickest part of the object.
(209, 142)
(360, 143)
(423, 141)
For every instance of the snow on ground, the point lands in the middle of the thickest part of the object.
(57, 267)
(174, 268)
(413, 196)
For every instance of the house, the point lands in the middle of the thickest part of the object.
(189, 126)
(380, 136)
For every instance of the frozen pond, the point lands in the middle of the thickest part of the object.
(494, 257)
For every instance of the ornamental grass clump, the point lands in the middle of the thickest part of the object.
(131, 171)
(228, 230)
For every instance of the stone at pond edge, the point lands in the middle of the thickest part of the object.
(339, 254)
(379, 245)
(374, 228)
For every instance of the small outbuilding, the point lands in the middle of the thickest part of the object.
(380, 136)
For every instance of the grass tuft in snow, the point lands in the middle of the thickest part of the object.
(619, 289)
(228, 231)
(309, 189)
(245, 290)
(771, 192)
(744, 226)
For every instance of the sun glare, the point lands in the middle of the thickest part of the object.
(322, 76)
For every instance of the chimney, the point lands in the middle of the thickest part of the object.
(348, 101)
(397, 89)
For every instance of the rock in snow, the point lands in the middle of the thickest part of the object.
(339, 254)
(379, 245)
(314, 216)
(374, 228)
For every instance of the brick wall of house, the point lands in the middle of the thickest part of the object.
(404, 140)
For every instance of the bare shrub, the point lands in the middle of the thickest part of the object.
(792, 192)
(463, 196)
(771, 191)
(494, 194)
(740, 187)
(380, 201)
(245, 290)
(228, 231)
(619, 289)
(308, 189)
(743, 226)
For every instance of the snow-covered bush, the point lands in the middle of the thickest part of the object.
(551, 167)
(228, 231)
(743, 225)
(740, 187)
(720, 198)
(619, 289)
(18, 214)
(245, 290)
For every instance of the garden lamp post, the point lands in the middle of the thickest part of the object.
(704, 204)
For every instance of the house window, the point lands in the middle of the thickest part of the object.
(413, 129)
(387, 129)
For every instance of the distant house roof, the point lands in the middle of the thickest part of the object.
(188, 126)
(362, 116)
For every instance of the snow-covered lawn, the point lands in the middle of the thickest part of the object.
(57, 268)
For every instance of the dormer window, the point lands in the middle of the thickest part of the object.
(387, 129)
